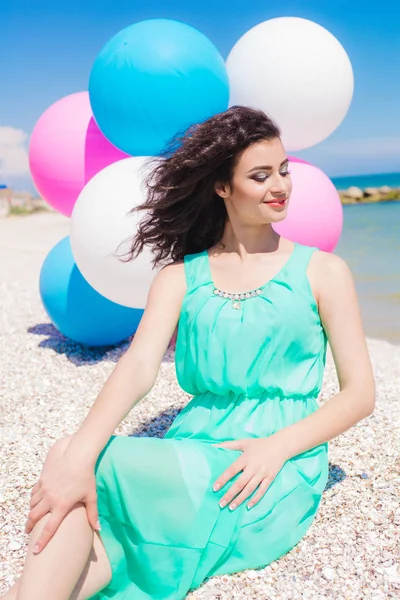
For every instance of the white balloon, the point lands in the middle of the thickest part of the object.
(298, 73)
(101, 229)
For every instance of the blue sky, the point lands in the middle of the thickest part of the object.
(48, 48)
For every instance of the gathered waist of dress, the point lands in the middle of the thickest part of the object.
(210, 416)
(264, 394)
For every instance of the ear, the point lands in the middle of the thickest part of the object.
(222, 189)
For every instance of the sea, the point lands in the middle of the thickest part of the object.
(363, 181)
(370, 244)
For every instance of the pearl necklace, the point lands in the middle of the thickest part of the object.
(236, 298)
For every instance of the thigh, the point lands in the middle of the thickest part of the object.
(96, 574)
(160, 490)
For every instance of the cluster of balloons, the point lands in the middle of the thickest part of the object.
(88, 151)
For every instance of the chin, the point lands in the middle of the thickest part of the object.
(277, 217)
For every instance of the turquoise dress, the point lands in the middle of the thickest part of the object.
(253, 367)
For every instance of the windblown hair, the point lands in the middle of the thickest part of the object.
(184, 214)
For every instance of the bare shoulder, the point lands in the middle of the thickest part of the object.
(159, 320)
(328, 271)
(170, 279)
(173, 270)
(328, 264)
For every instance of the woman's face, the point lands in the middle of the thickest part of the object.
(261, 176)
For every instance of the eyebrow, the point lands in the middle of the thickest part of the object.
(265, 167)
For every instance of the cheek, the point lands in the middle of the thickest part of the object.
(253, 190)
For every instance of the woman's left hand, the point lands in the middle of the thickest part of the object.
(261, 460)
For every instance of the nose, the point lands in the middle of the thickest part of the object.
(277, 184)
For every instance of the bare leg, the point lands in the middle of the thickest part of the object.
(95, 576)
(73, 566)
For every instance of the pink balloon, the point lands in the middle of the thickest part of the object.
(66, 150)
(298, 160)
(315, 213)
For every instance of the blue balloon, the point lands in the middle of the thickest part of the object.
(154, 79)
(75, 308)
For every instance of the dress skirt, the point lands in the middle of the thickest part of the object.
(161, 525)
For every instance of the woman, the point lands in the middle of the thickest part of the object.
(238, 478)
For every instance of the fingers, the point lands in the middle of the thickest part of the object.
(36, 494)
(243, 488)
(246, 492)
(92, 513)
(49, 530)
(264, 485)
(233, 469)
(239, 486)
(35, 488)
(35, 499)
(40, 510)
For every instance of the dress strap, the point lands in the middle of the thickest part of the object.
(303, 254)
(299, 263)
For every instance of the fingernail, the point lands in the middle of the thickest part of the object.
(98, 525)
(233, 506)
(36, 549)
(222, 503)
(249, 506)
(216, 487)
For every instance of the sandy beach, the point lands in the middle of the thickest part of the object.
(48, 384)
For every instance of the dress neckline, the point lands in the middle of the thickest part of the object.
(258, 289)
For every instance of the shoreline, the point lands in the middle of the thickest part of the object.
(36, 236)
(22, 203)
(356, 195)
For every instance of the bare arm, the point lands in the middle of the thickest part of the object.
(136, 371)
(340, 315)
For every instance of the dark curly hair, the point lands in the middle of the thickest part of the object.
(184, 214)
